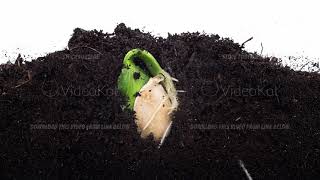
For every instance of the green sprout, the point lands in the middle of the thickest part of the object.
(133, 77)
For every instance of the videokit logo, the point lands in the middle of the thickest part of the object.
(239, 91)
(53, 89)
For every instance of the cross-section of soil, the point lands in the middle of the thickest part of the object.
(62, 117)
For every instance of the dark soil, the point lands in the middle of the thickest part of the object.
(225, 86)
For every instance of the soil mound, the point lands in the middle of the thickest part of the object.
(61, 116)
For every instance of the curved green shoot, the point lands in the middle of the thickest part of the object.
(128, 83)
(151, 63)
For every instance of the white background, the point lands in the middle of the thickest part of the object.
(284, 27)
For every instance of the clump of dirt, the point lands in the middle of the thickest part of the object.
(63, 117)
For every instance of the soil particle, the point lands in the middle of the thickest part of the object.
(136, 75)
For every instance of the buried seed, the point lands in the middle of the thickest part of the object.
(150, 117)
(154, 98)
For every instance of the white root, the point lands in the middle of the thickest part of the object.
(245, 170)
(174, 79)
(181, 91)
(154, 106)
(166, 133)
